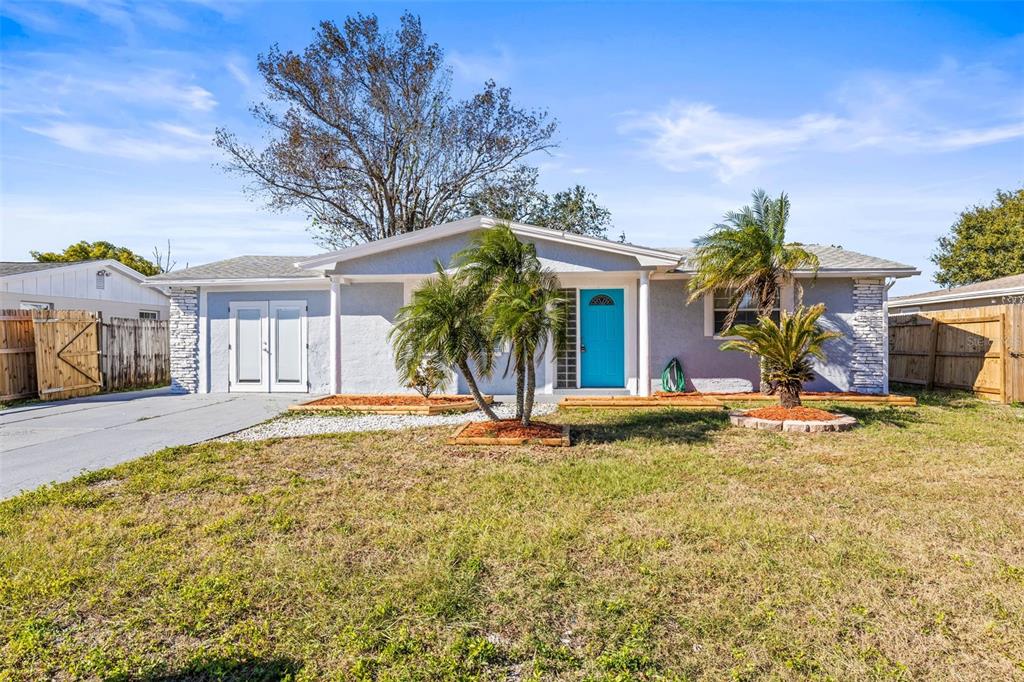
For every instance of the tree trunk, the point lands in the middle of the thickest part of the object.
(789, 395)
(766, 304)
(520, 381)
(531, 381)
(471, 382)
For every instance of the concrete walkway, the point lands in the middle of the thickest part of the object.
(53, 442)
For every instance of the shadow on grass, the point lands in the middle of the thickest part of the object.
(227, 669)
(940, 397)
(656, 426)
(900, 417)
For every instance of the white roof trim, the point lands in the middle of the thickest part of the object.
(103, 263)
(235, 281)
(645, 256)
(964, 296)
(823, 273)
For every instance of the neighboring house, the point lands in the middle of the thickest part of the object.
(102, 286)
(1000, 291)
(320, 324)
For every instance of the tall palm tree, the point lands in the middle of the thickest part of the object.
(529, 312)
(747, 254)
(785, 349)
(497, 258)
(444, 322)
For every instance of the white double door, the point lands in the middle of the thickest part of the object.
(267, 343)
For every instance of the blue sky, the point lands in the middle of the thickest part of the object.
(882, 121)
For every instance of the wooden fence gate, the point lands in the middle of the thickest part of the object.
(975, 349)
(135, 353)
(67, 353)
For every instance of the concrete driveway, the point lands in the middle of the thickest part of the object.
(53, 442)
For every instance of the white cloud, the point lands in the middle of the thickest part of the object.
(950, 109)
(202, 226)
(476, 68)
(165, 142)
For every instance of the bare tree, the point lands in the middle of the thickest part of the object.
(366, 138)
(163, 261)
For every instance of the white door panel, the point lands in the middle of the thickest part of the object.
(288, 346)
(248, 344)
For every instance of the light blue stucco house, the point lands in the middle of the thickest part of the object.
(320, 324)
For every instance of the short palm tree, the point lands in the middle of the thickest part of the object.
(496, 258)
(529, 313)
(747, 254)
(444, 323)
(785, 349)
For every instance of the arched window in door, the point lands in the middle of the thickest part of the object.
(602, 299)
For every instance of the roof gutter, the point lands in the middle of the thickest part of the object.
(965, 296)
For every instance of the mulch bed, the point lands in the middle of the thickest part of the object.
(394, 403)
(511, 428)
(806, 414)
(361, 400)
(511, 432)
(756, 394)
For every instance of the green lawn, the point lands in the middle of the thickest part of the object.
(664, 545)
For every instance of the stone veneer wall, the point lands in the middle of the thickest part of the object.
(184, 330)
(869, 364)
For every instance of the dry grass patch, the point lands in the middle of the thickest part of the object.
(663, 544)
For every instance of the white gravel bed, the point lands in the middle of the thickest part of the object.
(313, 424)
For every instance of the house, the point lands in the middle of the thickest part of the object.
(106, 286)
(320, 324)
(1000, 291)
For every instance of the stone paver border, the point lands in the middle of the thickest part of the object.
(842, 422)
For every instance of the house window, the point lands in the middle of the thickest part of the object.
(602, 299)
(101, 279)
(565, 362)
(746, 314)
(35, 305)
(149, 314)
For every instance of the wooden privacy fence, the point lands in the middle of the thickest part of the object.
(135, 353)
(17, 355)
(58, 354)
(975, 349)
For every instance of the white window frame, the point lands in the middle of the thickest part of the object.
(149, 314)
(35, 305)
(786, 302)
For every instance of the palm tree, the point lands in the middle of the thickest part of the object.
(785, 349)
(444, 322)
(747, 254)
(496, 258)
(529, 312)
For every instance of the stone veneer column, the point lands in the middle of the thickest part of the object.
(184, 330)
(869, 363)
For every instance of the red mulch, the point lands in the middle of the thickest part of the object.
(809, 394)
(349, 400)
(511, 428)
(804, 414)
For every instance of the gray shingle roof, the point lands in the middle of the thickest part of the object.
(831, 258)
(21, 267)
(241, 267)
(998, 284)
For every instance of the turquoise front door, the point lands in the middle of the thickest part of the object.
(602, 339)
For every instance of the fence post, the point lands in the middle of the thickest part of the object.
(933, 346)
(1004, 359)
